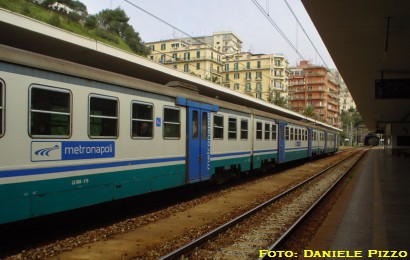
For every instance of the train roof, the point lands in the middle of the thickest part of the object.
(27, 34)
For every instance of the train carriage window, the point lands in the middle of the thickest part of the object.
(1, 108)
(267, 131)
(50, 112)
(103, 117)
(300, 134)
(273, 132)
(244, 129)
(258, 130)
(172, 123)
(287, 133)
(142, 123)
(291, 134)
(232, 128)
(218, 127)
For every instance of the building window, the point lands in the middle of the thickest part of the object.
(248, 87)
(187, 56)
(236, 86)
(163, 46)
(232, 128)
(236, 75)
(226, 77)
(142, 120)
(236, 66)
(277, 63)
(258, 75)
(218, 127)
(248, 75)
(258, 64)
(198, 54)
(226, 67)
(103, 117)
(258, 86)
(50, 112)
(244, 129)
(163, 58)
(186, 68)
(172, 123)
(258, 95)
(248, 65)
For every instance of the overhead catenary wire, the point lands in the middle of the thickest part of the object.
(304, 31)
(277, 28)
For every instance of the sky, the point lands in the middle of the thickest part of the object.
(185, 18)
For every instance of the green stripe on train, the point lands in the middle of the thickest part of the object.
(295, 155)
(36, 198)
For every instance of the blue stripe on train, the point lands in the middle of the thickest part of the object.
(55, 169)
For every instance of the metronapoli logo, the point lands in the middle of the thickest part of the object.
(71, 150)
(46, 151)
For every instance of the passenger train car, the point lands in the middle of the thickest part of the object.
(69, 141)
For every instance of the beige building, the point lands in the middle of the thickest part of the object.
(199, 59)
(219, 58)
(200, 56)
(259, 75)
(346, 99)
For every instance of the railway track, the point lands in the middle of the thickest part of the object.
(261, 231)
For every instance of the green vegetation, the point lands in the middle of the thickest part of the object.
(108, 26)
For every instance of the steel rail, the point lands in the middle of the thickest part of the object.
(204, 238)
(282, 239)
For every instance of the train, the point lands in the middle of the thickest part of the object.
(72, 136)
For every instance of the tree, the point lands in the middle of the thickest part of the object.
(116, 21)
(277, 99)
(309, 111)
(90, 22)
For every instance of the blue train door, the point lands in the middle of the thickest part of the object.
(309, 142)
(198, 155)
(198, 150)
(281, 142)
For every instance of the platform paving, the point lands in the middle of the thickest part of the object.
(374, 211)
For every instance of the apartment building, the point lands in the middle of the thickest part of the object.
(259, 75)
(316, 87)
(346, 100)
(219, 58)
(199, 56)
(200, 60)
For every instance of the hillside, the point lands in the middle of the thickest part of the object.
(73, 23)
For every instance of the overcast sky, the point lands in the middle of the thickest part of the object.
(242, 17)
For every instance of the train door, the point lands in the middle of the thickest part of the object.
(198, 150)
(281, 142)
(198, 147)
(310, 137)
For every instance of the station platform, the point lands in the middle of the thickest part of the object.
(373, 212)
